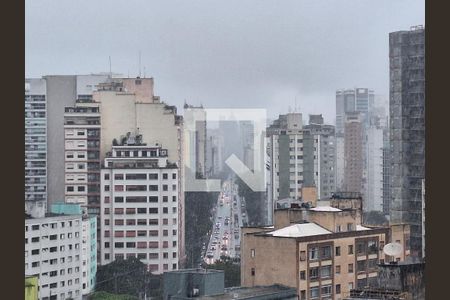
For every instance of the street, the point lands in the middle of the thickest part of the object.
(226, 232)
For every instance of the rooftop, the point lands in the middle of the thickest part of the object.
(300, 230)
(268, 292)
(325, 208)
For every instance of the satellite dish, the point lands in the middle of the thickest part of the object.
(393, 249)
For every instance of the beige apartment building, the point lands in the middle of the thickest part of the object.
(322, 251)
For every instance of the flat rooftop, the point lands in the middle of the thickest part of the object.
(276, 291)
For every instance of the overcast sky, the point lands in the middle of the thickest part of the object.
(242, 54)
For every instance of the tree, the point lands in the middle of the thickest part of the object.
(231, 268)
(124, 276)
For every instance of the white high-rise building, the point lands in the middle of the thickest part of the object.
(53, 252)
(373, 198)
(140, 207)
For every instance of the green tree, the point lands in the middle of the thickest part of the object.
(127, 276)
(198, 223)
(231, 268)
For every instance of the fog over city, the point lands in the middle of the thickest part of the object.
(224, 54)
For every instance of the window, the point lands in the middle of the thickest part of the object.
(338, 269)
(35, 252)
(106, 256)
(118, 176)
(338, 251)
(252, 252)
(153, 188)
(313, 253)
(338, 288)
(106, 176)
(361, 266)
(303, 295)
(142, 210)
(153, 176)
(325, 272)
(325, 252)
(327, 290)
(165, 199)
(165, 210)
(174, 175)
(153, 210)
(165, 176)
(106, 244)
(165, 232)
(174, 210)
(302, 275)
(35, 239)
(302, 255)
(372, 246)
(350, 249)
(118, 245)
(174, 198)
(106, 188)
(153, 222)
(349, 226)
(338, 228)
(174, 187)
(153, 245)
(153, 199)
(360, 248)
(253, 271)
(313, 273)
(314, 292)
(165, 187)
(107, 199)
(118, 188)
(350, 268)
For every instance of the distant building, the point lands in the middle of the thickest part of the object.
(82, 155)
(140, 209)
(373, 189)
(196, 152)
(35, 145)
(407, 129)
(353, 153)
(324, 160)
(209, 284)
(215, 155)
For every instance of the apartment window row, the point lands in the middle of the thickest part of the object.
(132, 211)
(53, 225)
(140, 176)
(140, 188)
(323, 252)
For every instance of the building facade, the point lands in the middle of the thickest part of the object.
(353, 153)
(324, 155)
(140, 208)
(35, 143)
(82, 155)
(53, 252)
(323, 251)
(373, 198)
(407, 129)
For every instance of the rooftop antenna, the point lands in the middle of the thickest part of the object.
(110, 72)
(139, 63)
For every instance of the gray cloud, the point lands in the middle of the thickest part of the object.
(265, 54)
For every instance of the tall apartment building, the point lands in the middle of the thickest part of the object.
(35, 144)
(387, 193)
(285, 149)
(373, 196)
(55, 93)
(324, 155)
(353, 153)
(196, 143)
(247, 140)
(53, 252)
(215, 147)
(407, 129)
(82, 155)
(323, 252)
(140, 207)
(129, 105)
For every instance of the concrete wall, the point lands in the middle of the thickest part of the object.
(61, 92)
(274, 263)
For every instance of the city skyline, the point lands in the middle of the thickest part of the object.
(301, 59)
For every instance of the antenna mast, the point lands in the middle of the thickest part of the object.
(139, 63)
